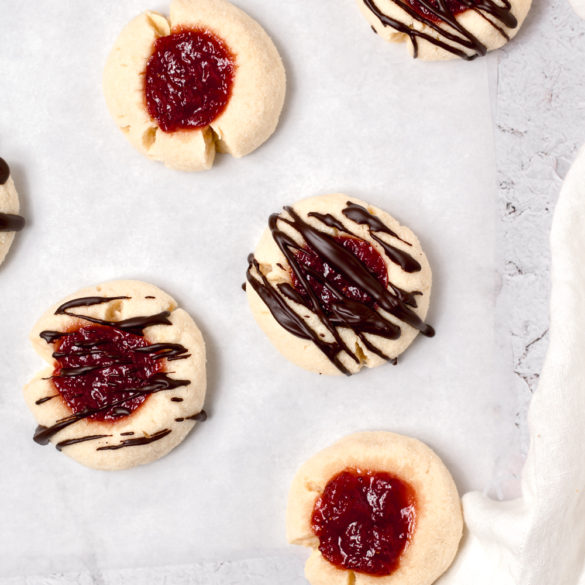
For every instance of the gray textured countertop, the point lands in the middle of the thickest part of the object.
(539, 125)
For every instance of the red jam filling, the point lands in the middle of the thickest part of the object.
(454, 7)
(189, 79)
(102, 369)
(364, 252)
(364, 521)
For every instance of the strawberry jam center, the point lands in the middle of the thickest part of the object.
(454, 7)
(364, 520)
(327, 283)
(102, 370)
(189, 79)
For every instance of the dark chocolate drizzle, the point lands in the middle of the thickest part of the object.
(9, 222)
(159, 382)
(168, 351)
(198, 416)
(59, 446)
(136, 442)
(52, 336)
(398, 256)
(452, 36)
(343, 312)
(362, 216)
(4, 171)
(135, 325)
(45, 399)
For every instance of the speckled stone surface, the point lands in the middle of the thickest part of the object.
(539, 125)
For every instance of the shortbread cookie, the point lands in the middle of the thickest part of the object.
(338, 284)
(376, 508)
(126, 380)
(447, 29)
(10, 221)
(208, 78)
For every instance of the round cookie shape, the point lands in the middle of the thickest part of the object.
(338, 284)
(206, 79)
(446, 30)
(126, 381)
(399, 478)
(10, 221)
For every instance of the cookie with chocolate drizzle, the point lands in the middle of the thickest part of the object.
(10, 221)
(446, 29)
(338, 284)
(126, 381)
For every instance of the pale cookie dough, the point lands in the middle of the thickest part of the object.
(10, 221)
(258, 92)
(358, 335)
(174, 397)
(467, 35)
(438, 522)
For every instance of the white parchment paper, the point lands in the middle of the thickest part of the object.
(362, 118)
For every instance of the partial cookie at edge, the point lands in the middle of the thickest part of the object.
(475, 25)
(10, 222)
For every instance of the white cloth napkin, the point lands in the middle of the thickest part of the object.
(540, 538)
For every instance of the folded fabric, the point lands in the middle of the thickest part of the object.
(540, 538)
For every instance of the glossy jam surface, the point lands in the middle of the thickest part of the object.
(311, 261)
(189, 79)
(364, 520)
(454, 7)
(102, 368)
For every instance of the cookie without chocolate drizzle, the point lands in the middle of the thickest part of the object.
(375, 507)
(207, 79)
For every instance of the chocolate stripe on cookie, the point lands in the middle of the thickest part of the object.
(158, 383)
(136, 442)
(59, 446)
(360, 215)
(342, 312)
(11, 223)
(134, 325)
(198, 416)
(8, 221)
(45, 399)
(94, 349)
(168, 351)
(4, 171)
(451, 36)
